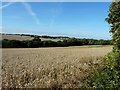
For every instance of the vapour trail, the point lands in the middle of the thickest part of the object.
(55, 13)
(27, 6)
(8, 4)
(30, 11)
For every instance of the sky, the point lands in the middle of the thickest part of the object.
(72, 19)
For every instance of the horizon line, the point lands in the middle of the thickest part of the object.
(50, 35)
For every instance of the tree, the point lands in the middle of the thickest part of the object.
(36, 38)
(109, 75)
(114, 20)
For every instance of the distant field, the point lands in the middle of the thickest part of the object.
(18, 37)
(50, 67)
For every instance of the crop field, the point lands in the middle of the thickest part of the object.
(21, 38)
(50, 67)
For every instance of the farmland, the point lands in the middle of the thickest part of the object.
(50, 67)
(21, 38)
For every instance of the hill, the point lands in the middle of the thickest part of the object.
(22, 37)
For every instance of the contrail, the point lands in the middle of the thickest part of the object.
(8, 4)
(55, 13)
(27, 6)
(30, 11)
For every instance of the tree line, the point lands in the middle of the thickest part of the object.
(36, 42)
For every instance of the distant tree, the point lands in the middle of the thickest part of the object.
(36, 38)
(72, 41)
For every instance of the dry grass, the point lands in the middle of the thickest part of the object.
(49, 67)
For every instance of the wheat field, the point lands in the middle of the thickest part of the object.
(65, 67)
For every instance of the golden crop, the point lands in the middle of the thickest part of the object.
(49, 67)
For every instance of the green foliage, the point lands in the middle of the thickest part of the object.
(114, 20)
(37, 38)
(11, 43)
(108, 76)
(36, 42)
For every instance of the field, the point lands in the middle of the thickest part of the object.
(21, 38)
(50, 67)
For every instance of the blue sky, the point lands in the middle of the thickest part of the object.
(73, 19)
